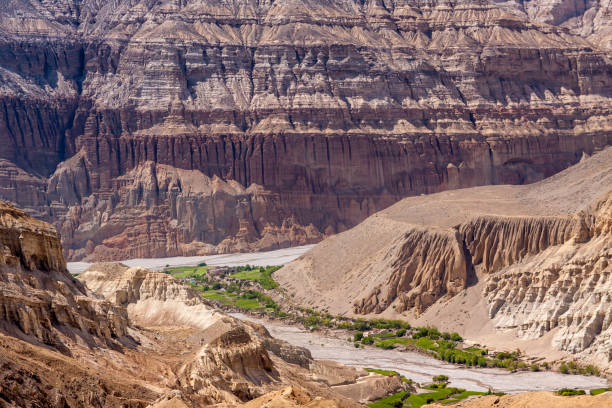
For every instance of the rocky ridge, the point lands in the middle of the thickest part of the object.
(140, 338)
(41, 301)
(565, 289)
(156, 129)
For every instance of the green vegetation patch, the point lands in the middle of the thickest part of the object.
(598, 391)
(389, 373)
(568, 392)
(445, 395)
(262, 274)
(185, 272)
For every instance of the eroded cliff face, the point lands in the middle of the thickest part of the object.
(39, 299)
(150, 129)
(435, 263)
(142, 338)
(588, 19)
(565, 289)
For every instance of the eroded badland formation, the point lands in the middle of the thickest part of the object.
(454, 155)
(147, 129)
(511, 266)
(139, 337)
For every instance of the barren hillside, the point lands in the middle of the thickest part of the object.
(139, 338)
(499, 263)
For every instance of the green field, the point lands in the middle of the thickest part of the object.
(262, 275)
(187, 271)
(445, 395)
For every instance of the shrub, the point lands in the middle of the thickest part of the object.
(455, 336)
(446, 335)
(534, 367)
(591, 370)
(568, 392)
(367, 340)
(358, 336)
(440, 378)
(356, 345)
(563, 368)
(422, 332)
(400, 333)
(397, 404)
(385, 346)
(433, 333)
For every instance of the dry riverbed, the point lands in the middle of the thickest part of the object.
(421, 368)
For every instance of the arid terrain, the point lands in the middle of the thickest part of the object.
(135, 338)
(152, 129)
(508, 266)
(316, 203)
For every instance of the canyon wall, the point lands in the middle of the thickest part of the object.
(156, 129)
(138, 338)
(565, 289)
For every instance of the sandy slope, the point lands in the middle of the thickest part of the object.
(536, 399)
(347, 266)
(526, 236)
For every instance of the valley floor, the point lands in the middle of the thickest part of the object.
(421, 368)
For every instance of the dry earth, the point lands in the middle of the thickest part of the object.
(512, 266)
(135, 337)
(535, 399)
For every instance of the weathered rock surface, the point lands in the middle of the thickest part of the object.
(542, 252)
(589, 19)
(144, 338)
(156, 129)
(39, 299)
(566, 289)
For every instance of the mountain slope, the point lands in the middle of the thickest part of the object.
(518, 262)
(147, 129)
(152, 340)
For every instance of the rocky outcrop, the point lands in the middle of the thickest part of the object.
(234, 361)
(427, 266)
(39, 299)
(144, 337)
(290, 397)
(424, 249)
(565, 289)
(146, 130)
(588, 19)
(27, 243)
(431, 264)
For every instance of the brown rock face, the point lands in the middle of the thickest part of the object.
(38, 297)
(62, 345)
(149, 129)
(422, 249)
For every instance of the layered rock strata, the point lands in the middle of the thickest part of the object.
(565, 289)
(39, 300)
(159, 129)
(536, 258)
(144, 337)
